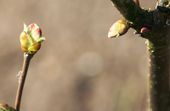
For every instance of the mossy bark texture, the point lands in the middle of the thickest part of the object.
(158, 23)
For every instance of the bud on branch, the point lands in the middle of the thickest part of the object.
(31, 38)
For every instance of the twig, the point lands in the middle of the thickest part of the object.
(22, 78)
(130, 10)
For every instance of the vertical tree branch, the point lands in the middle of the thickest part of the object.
(159, 76)
(157, 22)
(22, 78)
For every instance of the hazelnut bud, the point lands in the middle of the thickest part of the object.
(144, 30)
(119, 28)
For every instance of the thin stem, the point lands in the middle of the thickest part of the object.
(22, 78)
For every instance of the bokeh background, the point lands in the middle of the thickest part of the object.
(78, 68)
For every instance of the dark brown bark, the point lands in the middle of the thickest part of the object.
(159, 76)
(158, 24)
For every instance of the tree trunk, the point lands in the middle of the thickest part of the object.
(159, 77)
(155, 27)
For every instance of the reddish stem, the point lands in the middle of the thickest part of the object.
(22, 78)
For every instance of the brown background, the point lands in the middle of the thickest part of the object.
(78, 68)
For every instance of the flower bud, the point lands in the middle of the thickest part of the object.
(144, 30)
(119, 28)
(6, 107)
(31, 38)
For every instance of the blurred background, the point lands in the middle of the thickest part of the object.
(78, 68)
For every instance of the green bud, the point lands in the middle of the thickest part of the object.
(119, 28)
(31, 38)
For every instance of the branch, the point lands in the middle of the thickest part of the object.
(159, 77)
(132, 12)
(158, 22)
(23, 74)
(164, 6)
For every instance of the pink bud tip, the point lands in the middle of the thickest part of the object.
(32, 26)
(38, 31)
(144, 30)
